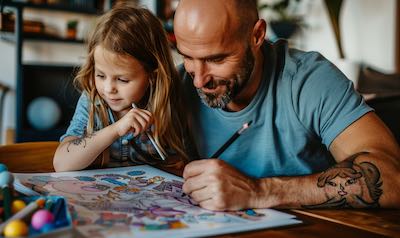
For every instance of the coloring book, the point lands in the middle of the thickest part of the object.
(141, 201)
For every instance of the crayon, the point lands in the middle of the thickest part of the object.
(6, 180)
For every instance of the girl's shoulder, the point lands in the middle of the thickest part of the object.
(85, 97)
(85, 100)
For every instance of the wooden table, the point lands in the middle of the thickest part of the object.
(322, 223)
(316, 223)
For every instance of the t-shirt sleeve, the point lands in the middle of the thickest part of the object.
(79, 121)
(325, 100)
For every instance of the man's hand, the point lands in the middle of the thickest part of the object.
(215, 185)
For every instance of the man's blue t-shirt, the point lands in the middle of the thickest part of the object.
(302, 104)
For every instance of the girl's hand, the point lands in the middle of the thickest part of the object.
(135, 121)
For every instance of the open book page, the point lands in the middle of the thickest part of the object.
(142, 201)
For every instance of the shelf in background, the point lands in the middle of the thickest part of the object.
(55, 7)
(10, 37)
(47, 84)
(48, 66)
(28, 134)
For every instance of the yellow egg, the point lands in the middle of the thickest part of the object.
(16, 228)
(17, 205)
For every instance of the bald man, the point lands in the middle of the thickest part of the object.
(310, 128)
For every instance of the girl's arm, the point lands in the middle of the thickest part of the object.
(76, 153)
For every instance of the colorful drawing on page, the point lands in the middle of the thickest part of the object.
(142, 201)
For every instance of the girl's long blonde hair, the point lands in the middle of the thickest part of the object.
(128, 30)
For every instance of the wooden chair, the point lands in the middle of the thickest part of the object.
(29, 157)
(388, 109)
(373, 81)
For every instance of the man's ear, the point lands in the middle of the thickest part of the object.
(258, 34)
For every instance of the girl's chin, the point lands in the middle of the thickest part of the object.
(121, 111)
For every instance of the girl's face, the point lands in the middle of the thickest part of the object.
(120, 80)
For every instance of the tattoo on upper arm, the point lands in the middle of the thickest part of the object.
(350, 185)
(80, 141)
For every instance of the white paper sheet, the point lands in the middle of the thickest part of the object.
(141, 201)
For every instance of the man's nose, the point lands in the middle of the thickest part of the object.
(200, 75)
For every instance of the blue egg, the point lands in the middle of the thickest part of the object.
(3, 168)
(47, 227)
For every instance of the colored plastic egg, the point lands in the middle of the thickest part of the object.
(3, 168)
(40, 218)
(47, 227)
(16, 228)
(17, 205)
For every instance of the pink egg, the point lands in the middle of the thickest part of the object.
(41, 218)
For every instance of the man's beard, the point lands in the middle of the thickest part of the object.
(233, 86)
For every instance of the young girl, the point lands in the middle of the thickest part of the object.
(128, 62)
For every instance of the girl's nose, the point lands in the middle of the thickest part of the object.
(109, 86)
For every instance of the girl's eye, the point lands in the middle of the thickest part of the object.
(123, 80)
(99, 76)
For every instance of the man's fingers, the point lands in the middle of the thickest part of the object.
(197, 182)
(210, 204)
(201, 195)
(192, 184)
(198, 167)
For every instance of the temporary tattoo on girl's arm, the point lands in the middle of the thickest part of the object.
(80, 141)
(350, 185)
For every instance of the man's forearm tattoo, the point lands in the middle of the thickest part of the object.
(350, 185)
(80, 141)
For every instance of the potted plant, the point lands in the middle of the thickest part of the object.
(284, 21)
(349, 67)
(72, 26)
(334, 7)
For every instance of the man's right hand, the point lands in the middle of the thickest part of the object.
(216, 185)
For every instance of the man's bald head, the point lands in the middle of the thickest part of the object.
(231, 18)
(247, 13)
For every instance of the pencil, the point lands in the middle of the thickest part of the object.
(231, 140)
(153, 142)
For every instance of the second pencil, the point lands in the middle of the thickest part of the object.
(231, 140)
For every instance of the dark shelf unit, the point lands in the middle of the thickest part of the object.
(36, 80)
(52, 7)
(53, 81)
(10, 36)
